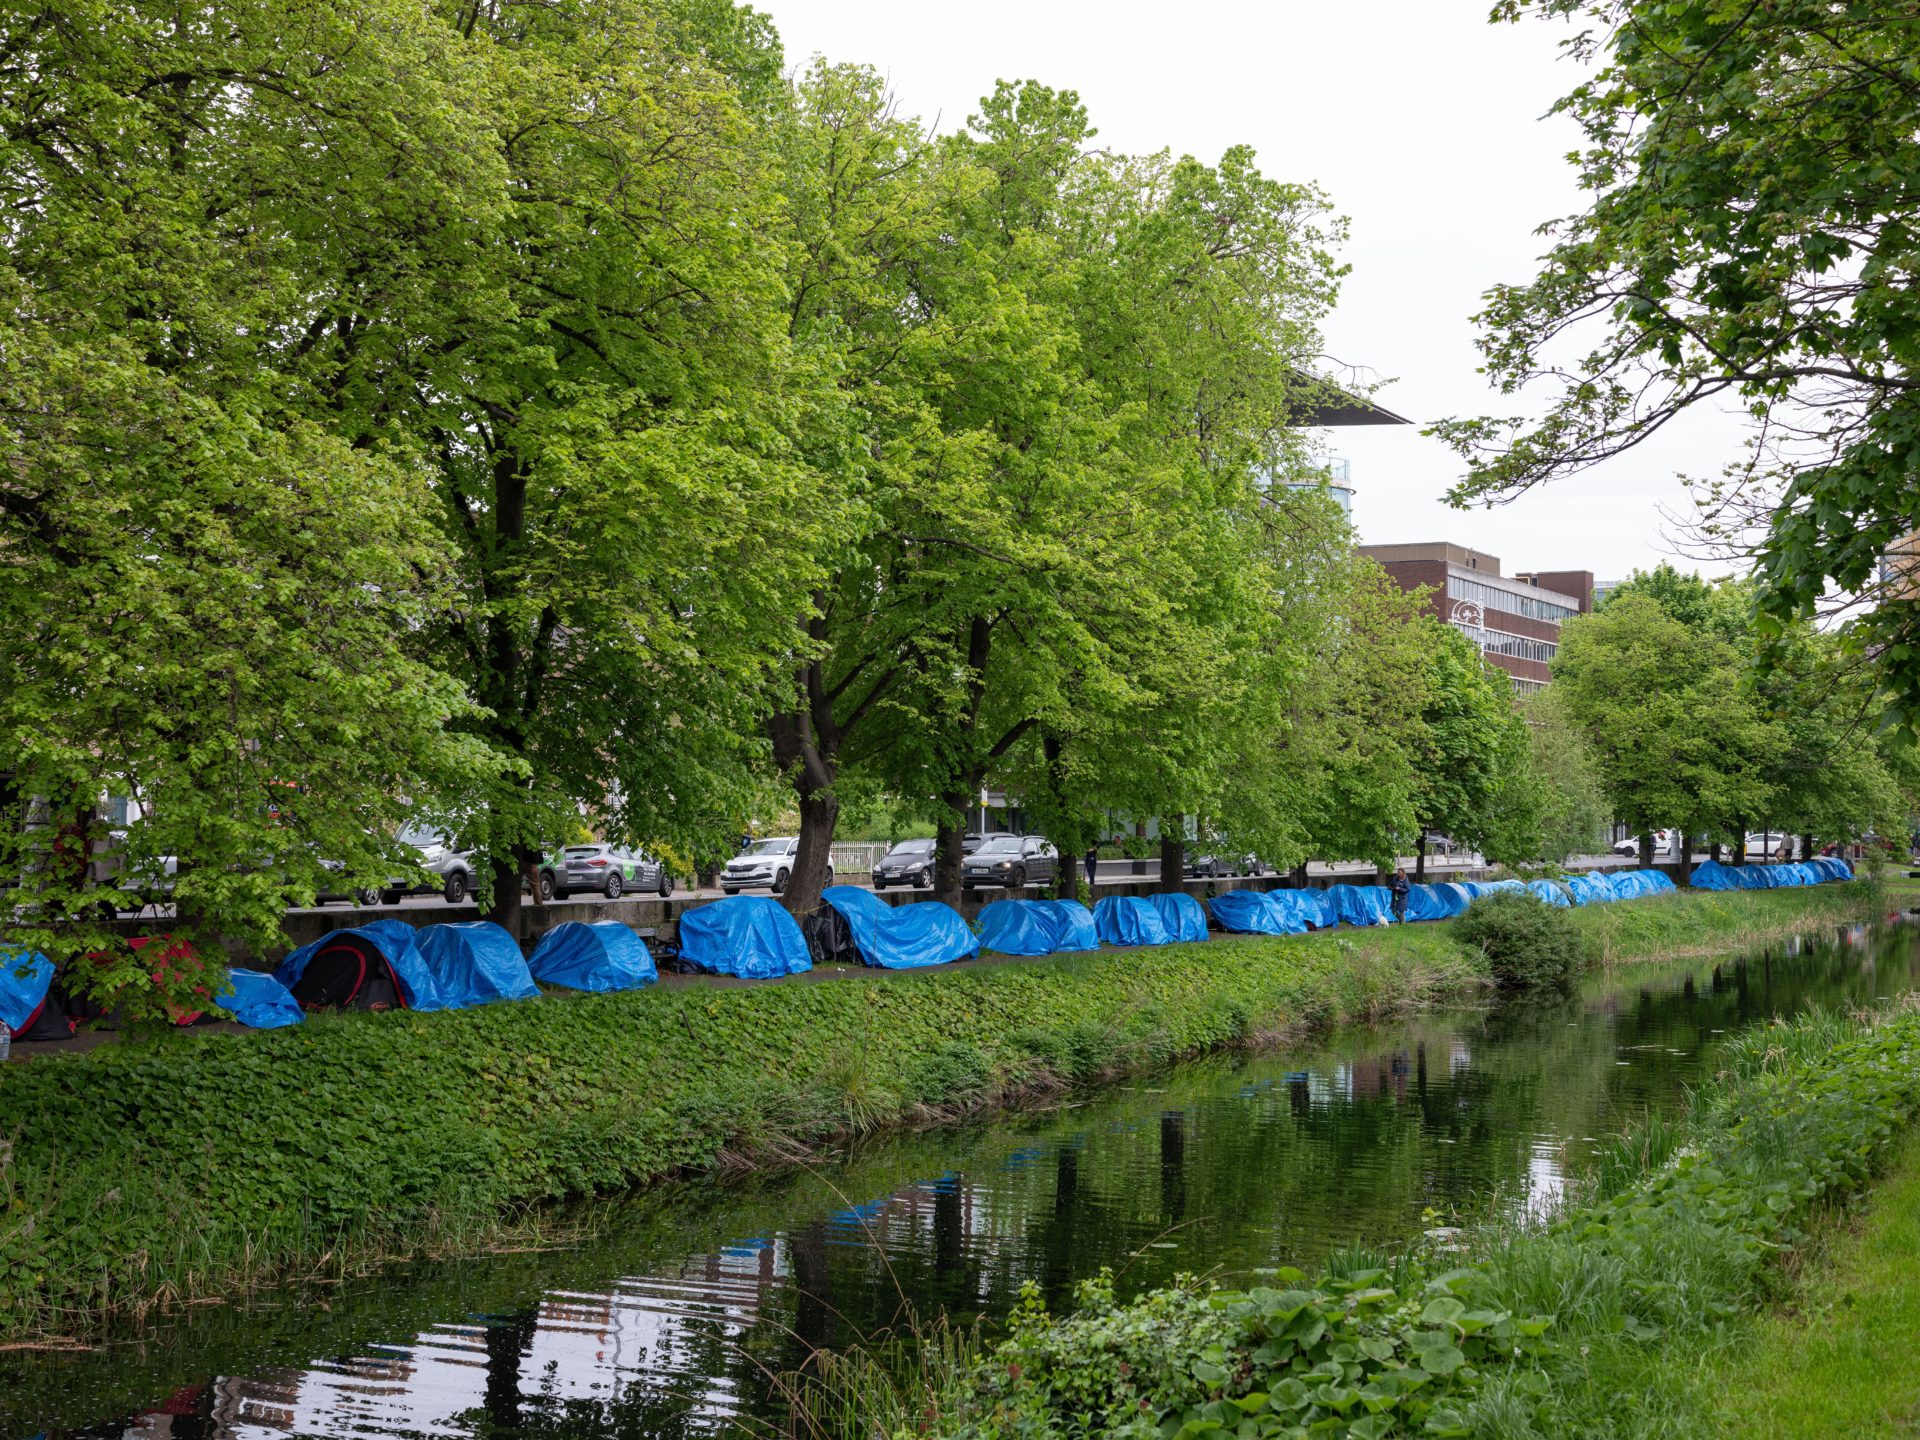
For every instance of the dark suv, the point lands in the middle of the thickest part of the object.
(1011, 862)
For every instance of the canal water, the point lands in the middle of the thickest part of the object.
(672, 1322)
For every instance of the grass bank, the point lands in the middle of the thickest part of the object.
(200, 1165)
(1591, 1326)
(1690, 923)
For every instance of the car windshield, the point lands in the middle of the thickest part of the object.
(912, 847)
(421, 838)
(1000, 845)
(767, 847)
(585, 849)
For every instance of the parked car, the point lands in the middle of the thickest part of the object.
(612, 870)
(908, 863)
(1011, 861)
(450, 870)
(1212, 867)
(974, 839)
(1769, 845)
(1662, 844)
(764, 862)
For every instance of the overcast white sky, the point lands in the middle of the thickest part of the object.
(1423, 122)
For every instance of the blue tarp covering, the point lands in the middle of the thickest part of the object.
(259, 1000)
(751, 936)
(1592, 889)
(1497, 887)
(1313, 905)
(1712, 875)
(1658, 882)
(1255, 912)
(1549, 891)
(1181, 915)
(24, 978)
(1037, 927)
(396, 940)
(1361, 904)
(902, 937)
(1436, 902)
(1129, 920)
(474, 962)
(603, 955)
(1832, 867)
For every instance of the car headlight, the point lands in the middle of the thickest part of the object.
(1004, 865)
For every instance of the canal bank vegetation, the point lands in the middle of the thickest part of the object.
(1589, 1325)
(153, 1173)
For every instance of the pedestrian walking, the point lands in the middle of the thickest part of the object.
(1092, 861)
(1400, 889)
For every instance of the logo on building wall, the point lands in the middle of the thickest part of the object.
(1468, 616)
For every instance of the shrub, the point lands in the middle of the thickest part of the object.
(1528, 943)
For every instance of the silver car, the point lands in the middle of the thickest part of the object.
(450, 871)
(764, 862)
(610, 869)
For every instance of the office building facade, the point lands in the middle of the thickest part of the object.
(1514, 619)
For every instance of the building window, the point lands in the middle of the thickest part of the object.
(1527, 687)
(1520, 647)
(1492, 597)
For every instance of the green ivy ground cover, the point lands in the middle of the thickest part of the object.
(1590, 1327)
(201, 1163)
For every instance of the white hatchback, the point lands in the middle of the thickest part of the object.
(764, 862)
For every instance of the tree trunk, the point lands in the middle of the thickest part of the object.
(819, 814)
(1740, 846)
(949, 837)
(1420, 860)
(1682, 857)
(1713, 852)
(1173, 860)
(1646, 851)
(1053, 750)
(1300, 876)
(1806, 846)
(504, 909)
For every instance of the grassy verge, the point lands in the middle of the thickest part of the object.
(143, 1175)
(1838, 1360)
(1693, 922)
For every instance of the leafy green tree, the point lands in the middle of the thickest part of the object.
(1553, 805)
(1472, 740)
(1678, 736)
(1749, 239)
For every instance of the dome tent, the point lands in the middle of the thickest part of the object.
(1256, 912)
(748, 936)
(30, 1007)
(1591, 889)
(1181, 915)
(475, 962)
(1129, 920)
(370, 967)
(1552, 892)
(902, 937)
(1037, 927)
(595, 956)
(1361, 904)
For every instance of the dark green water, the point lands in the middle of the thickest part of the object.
(670, 1324)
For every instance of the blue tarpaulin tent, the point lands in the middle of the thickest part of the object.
(1592, 889)
(474, 962)
(1313, 905)
(603, 955)
(259, 1000)
(1037, 927)
(1361, 904)
(394, 941)
(1497, 887)
(1550, 891)
(750, 936)
(1832, 867)
(1436, 902)
(1712, 875)
(1182, 916)
(1253, 912)
(1455, 897)
(25, 977)
(1129, 920)
(902, 937)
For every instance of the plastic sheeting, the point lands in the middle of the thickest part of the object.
(24, 978)
(1592, 889)
(1456, 897)
(1498, 887)
(1182, 916)
(1550, 891)
(1037, 927)
(750, 936)
(902, 937)
(1435, 902)
(599, 956)
(1361, 904)
(259, 1000)
(1256, 912)
(1711, 875)
(396, 940)
(1129, 920)
(475, 962)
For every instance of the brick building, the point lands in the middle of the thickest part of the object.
(1514, 619)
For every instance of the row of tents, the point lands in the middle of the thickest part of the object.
(391, 965)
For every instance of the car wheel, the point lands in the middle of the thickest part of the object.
(666, 883)
(779, 881)
(925, 877)
(1018, 879)
(615, 886)
(455, 889)
(547, 891)
(391, 897)
(366, 897)
(829, 875)
(729, 889)
(878, 883)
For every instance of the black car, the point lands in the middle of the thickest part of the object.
(974, 839)
(1011, 862)
(908, 863)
